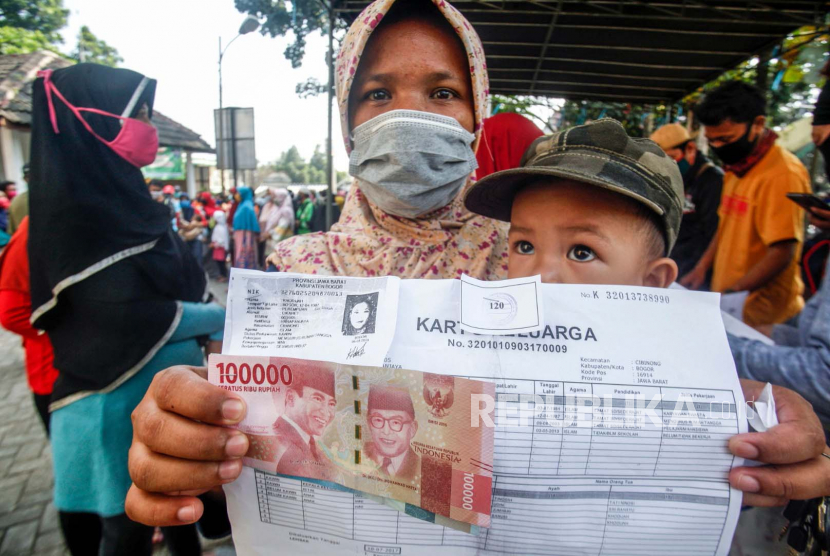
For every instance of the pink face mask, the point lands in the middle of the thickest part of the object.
(137, 142)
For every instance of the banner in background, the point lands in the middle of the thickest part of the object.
(168, 165)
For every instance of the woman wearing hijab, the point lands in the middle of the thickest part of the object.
(404, 219)
(412, 143)
(113, 286)
(267, 213)
(276, 219)
(400, 219)
(245, 231)
(208, 204)
(504, 139)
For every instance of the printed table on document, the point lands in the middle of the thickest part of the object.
(579, 468)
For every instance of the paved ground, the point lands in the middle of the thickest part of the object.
(28, 521)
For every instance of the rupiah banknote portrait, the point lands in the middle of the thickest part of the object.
(418, 438)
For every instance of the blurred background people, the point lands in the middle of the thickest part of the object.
(758, 242)
(245, 231)
(305, 211)
(504, 139)
(702, 182)
(276, 221)
(220, 243)
(821, 120)
(19, 207)
(15, 312)
(192, 225)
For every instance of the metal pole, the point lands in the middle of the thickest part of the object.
(221, 123)
(233, 147)
(762, 72)
(329, 159)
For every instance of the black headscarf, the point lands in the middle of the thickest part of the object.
(106, 268)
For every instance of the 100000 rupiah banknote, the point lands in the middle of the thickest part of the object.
(417, 438)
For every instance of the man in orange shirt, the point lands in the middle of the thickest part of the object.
(758, 243)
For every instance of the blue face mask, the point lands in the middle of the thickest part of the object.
(684, 166)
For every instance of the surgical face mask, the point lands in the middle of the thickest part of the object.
(411, 163)
(137, 142)
(683, 165)
(156, 195)
(734, 152)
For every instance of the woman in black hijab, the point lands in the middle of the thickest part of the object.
(114, 287)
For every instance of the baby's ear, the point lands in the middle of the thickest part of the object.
(660, 273)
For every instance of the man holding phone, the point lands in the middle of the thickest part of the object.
(758, 243)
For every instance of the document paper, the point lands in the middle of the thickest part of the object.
(611, 425)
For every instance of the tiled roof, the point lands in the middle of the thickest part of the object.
(18, 72)
(174, 134)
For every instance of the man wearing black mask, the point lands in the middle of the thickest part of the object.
(702, 183)
(758, 243)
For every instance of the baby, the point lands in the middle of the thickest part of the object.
(589, 205)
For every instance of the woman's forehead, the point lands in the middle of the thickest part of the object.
(413, 46)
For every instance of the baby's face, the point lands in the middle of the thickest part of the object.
(573, 233)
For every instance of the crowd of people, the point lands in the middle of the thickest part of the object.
(240, 229)
(103, 273)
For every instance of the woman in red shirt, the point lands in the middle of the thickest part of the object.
(15, 312)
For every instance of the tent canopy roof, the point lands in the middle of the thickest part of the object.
(638, 51)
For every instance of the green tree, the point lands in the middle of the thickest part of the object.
(299, 17)
(31, 25)
(44, 16)
(15, 40)
(92, 49)
(313, 171)
(526, 106)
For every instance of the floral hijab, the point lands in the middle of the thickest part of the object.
(369, 242)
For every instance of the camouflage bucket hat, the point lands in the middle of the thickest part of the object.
(599, 153)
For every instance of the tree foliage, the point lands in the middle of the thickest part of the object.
(528, 107)
(43, 16)
(92, 49)
(16, 40)
(300, 18)
(313, 171)
(792, 75)
(31, 25)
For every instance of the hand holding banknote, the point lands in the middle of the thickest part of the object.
(415, 437)
(182, 446)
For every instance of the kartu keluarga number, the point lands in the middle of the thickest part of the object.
(637, 296)
(512, 345)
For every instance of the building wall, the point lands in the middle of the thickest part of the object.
(14, 153)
